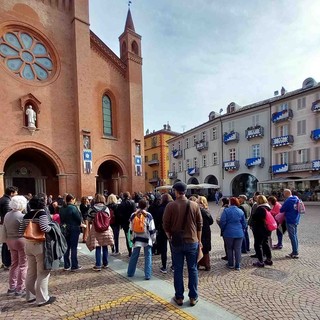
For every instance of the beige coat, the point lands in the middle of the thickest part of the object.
(99, 239)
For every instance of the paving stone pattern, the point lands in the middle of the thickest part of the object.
(290, 289)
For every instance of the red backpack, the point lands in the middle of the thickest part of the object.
(101, 221)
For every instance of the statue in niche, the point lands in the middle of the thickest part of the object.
(32, 117)
(86, 142)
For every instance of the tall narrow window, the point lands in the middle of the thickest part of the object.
(255, 120)
(215, 158)
(232, 154)
(214, 133)
(256, 150)
(107, 116)
(301, 127)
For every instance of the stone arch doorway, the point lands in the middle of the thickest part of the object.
(244, 184)
(193, 181)
(110, 177)
(32, 172)
(211, 179)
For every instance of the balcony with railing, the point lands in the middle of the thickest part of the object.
(295, 167)
(315, 107)
(279, 168)
(258, 161)
(283, 115)
(254, 132)
(177, 153)
(193, 171)
(282, 141)
(202, 145)
(231, 165)
(172, 175)
(315, 135)
(231, 137)
(154, 180)
(153, 162)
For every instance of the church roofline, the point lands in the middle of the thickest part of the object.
(106, 52)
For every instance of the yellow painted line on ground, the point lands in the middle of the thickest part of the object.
(169, 306)
(108, 305)
(115, 303)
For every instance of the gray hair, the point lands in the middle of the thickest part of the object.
(18, 203)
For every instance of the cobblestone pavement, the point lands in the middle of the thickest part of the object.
(290, 289)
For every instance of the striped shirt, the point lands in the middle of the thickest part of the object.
(41, 217)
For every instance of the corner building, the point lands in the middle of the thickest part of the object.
(156, 150)
(87, 102)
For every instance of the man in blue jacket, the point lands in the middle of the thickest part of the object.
(292, 216)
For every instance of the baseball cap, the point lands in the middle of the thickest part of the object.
(180, 186)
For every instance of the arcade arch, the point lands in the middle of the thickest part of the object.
(244, 184)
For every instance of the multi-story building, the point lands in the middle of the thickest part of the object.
(265, 145)
(156, 152)
(71, 109)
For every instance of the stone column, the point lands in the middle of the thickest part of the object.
(115, 185)
(123, 184)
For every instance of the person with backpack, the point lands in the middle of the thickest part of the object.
(292, 216)
(125, 210)
(143, 234)
(101, 234)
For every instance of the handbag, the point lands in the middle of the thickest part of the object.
(33, 231)
(270, 222)
(177, 237)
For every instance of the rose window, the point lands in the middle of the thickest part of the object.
(26, 55)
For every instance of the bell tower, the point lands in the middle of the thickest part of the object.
(130, 54)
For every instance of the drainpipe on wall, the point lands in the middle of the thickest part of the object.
(270, 131)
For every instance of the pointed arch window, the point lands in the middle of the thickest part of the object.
(107, 116)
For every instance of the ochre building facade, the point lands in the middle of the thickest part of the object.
(71, 109)
(156, 151)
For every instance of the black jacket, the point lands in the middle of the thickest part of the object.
(125, 209)
(4, 206)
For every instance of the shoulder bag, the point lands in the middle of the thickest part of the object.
(33, 231)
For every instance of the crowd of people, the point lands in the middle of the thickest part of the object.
(153, 221)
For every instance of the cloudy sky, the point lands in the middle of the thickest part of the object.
(200, 55)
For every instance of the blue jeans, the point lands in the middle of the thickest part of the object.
(293, 236)
(104, 256)
(279, 236)
(72, 242)
(190, 252)
(234, 251)
(147, 261)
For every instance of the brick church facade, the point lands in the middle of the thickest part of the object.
(71, 109)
